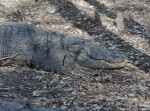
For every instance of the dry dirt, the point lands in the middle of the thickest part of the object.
(106, 90)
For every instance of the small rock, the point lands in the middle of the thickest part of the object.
(67, 27)
(113, 47)
(137, 63)
(131, 94)
(36, 93)
(51, 9)
(39, 77)
(82, 13)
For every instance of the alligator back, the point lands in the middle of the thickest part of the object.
(20, 40)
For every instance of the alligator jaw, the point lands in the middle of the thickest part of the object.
(86, 61)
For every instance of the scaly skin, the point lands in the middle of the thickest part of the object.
(53, 51)
(22, 106)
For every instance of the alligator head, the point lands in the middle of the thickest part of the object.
(73, 51)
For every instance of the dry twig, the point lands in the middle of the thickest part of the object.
(10, 57)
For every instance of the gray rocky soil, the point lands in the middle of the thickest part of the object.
(124, 25)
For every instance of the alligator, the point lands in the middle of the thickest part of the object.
(25, 44)
(22, 106)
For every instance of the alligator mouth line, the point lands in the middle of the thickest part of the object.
(90, 62)
(109, 61)
(116, 65)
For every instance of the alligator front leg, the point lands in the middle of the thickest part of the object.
(51, 66)
(40, 61)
